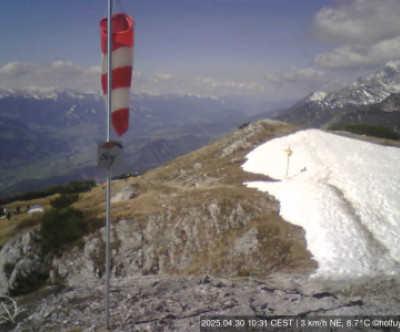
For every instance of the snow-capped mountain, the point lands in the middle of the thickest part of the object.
(317, 96)
(314, 97)
(368, 90)
(320, 108)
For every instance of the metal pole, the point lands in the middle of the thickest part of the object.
(287, 167)
(108, 208)
(107, 296)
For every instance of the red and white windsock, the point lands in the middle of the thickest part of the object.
(122, 58)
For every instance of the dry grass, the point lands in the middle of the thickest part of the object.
(193, 182)
(282, 245)
(22, 221)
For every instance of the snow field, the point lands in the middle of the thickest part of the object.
(347, 198)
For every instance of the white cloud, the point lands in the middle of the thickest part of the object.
(168, 83)
(309, 76)
(62, 65)
(356, 56)
(293, 83)
(95, 70)
(359, 21)
(59, 74)
(298, 82)
(138, 77)
(226, 87)
(67, 75)
(368, 31)
(18, 69)
(162, 77)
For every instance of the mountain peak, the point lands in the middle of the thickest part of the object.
(316, 96)
(313, 97)
(351, 102)
(367, 90)
(393, 65)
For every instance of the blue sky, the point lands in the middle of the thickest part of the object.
(271, 49)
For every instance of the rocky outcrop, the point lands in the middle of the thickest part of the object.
(193, 216)
(174, 242)
(155, 303)
(20, 260)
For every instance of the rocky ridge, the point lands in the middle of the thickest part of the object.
(189, 239)
(160, 303)
(367, 100)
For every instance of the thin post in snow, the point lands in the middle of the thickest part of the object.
(289, 153)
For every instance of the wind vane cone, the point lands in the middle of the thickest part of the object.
(122, 59)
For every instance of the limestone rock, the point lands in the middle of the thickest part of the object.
(19, 257)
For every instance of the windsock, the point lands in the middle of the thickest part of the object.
(122, 57)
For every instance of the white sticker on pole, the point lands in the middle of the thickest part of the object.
(109, 155)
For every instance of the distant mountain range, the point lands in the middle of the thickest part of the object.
(50, 136)
(374, 99)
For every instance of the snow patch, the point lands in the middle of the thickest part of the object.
(125, 194)
(317, 96)
(395, 65)
(343, 192)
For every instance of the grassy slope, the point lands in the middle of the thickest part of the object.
(23, 221)
(213, 175)
(195, 181)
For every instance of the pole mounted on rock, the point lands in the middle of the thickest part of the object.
(117, 58)
(108, 194)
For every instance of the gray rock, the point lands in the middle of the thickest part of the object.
(19, 257)
(154, 303)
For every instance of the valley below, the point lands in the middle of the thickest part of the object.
(50, 137)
